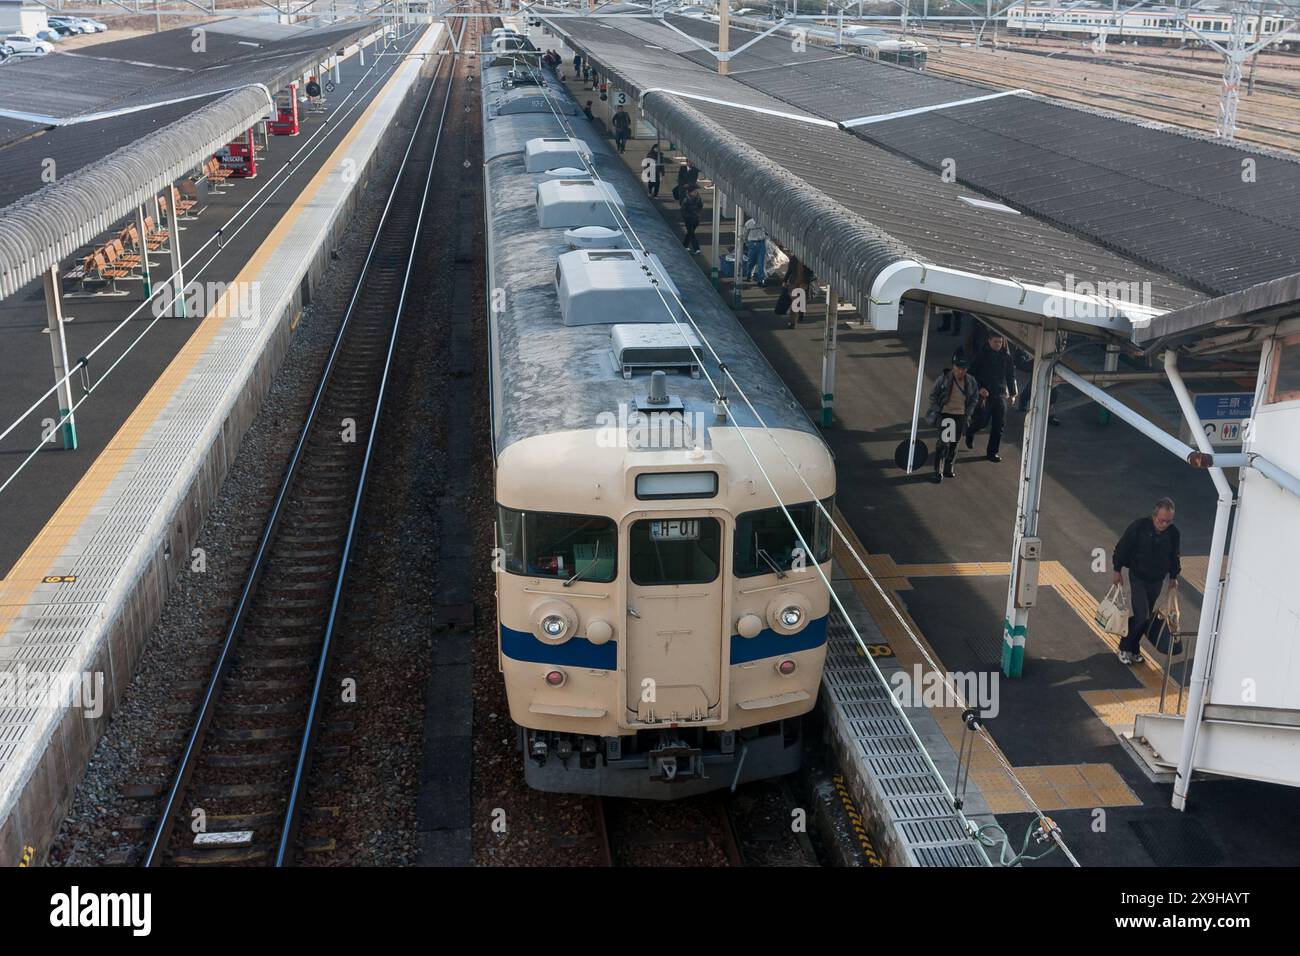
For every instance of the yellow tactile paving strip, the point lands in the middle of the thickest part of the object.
(1057, 787)
(50, 544)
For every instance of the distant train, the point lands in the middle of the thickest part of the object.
(1166, 25)
(662, 628)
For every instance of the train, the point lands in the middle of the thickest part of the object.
(1162, 25)
(661, 624)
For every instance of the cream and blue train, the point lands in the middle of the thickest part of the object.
(661, 627)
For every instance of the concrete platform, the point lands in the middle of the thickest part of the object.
(95, 537)
(942, 552)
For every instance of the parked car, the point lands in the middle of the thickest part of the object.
(66, 26)
(22, 43)
(94, 25)
(49, 36)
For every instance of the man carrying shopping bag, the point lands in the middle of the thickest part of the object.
(1149, 548)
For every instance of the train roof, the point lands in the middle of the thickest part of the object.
(548, 377)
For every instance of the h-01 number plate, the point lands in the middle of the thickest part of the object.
(678, 529)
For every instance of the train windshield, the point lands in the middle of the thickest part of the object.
(545, 545)
(675, 550)
(766, 544)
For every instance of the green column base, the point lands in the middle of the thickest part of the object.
(713, 277)
(1013, 652)
(1103, 416)
(827, 411)
(68, 430)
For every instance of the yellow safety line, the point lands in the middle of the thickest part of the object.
(27, 573)
(856, 821)
(1056, 787)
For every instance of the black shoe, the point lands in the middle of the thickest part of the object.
(1053, 420)
(970, 439)
(993, 456)
(938, 478)
(950, 473)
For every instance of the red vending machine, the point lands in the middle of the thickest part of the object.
(239, 157)
(286, 112)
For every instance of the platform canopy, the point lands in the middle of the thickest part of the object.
(897, 184)
(87, 136)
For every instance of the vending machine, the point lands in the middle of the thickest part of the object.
(286, 112)
(239, 157)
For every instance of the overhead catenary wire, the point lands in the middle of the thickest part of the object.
(1047, 826)
(156, 300)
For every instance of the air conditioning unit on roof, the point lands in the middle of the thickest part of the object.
(655, 346)
(596, 286)
(545, 153)
(562, 203)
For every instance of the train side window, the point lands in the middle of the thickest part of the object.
(1284, 384)
(675, 550)
(765, 541)
(546, 545)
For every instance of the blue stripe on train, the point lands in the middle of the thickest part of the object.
(575, 652)
(769, 643)
(580, 652)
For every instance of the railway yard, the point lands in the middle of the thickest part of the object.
(338, 558)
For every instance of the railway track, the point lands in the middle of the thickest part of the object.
(693, 832)
(239, 792)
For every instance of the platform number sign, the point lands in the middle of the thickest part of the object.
(620, 98)
(329, 86)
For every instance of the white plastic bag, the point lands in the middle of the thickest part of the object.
(1112, 611)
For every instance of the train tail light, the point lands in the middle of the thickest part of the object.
(786, 667)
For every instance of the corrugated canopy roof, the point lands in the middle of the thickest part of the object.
(194, 102)
(778, 158)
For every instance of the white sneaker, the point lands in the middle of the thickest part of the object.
(1126, 658)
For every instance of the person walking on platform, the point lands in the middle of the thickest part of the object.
(952, 402)
(586, 111)
(798, 280)
(653, 166)
(996, 368)
(577, 66)
(1150, 549)
(755, 251)
(692, 206)
(622, 128)
(687, 175)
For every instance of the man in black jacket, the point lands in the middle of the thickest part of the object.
(1149, 548)
(995, 370)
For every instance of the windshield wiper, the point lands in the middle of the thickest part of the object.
(581, 571)
(770, 563)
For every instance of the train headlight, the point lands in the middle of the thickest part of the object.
(554, 621)
(598, 631)
(788, 613)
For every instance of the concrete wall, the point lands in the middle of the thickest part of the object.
(47, 795)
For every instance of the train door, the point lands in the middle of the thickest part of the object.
(675, 628)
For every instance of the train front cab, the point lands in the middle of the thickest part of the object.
(667, 641)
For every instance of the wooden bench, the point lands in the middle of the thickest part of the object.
(79, 274)
(120, 258)
(110, 273)
(154, 238)
(184, 203)
(215, 174)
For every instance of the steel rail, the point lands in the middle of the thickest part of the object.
(166, 818)
(289, 829)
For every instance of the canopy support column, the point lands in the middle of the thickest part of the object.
(736, 267)
(1016, 623)
(59, 352)
(175, 290)
(144, 251)
(920, 383)
(715, 271)
(828, 355)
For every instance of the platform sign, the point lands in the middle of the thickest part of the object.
(1224, 415)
